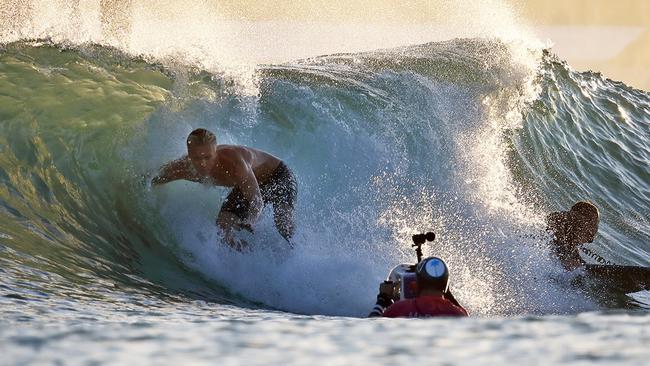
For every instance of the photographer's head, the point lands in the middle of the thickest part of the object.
(432, 275)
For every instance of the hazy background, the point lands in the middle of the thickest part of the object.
(611, 36)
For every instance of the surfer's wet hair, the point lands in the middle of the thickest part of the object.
(585, 209)
(200, 136)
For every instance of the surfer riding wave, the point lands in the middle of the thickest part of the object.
(257, 178)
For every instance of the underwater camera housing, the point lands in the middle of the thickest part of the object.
(402, 277)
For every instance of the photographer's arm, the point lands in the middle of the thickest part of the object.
(449, 296)
(384, 299)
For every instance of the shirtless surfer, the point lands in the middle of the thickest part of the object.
(578, 226)
(257, 178)
(572, 228)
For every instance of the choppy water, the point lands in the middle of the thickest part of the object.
(196, 332)
(476, 138)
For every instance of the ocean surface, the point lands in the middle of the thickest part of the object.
(476, 138)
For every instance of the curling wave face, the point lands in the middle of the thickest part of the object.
(475, 139)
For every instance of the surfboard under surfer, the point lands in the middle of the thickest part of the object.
(257, 178)
(571, 229)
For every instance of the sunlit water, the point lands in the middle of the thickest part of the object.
(476, 138)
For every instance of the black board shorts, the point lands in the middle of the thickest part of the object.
(280, 190)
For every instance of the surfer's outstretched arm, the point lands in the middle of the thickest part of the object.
(174, 170)
(572, 228)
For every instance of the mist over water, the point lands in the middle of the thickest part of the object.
(392, 126)
(228, 36)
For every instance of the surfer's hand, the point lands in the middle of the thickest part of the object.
(385, 296)
(239, 245)
(242, 246)
(145, 180)
(245, 226)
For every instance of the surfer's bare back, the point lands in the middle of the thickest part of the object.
(257, 178)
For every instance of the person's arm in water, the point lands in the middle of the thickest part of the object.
(174, 170)
(384, 299)
(556, 224)
(250, 189)
(246, 183)
(568, 235)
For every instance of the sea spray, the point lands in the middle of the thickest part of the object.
(453, 136)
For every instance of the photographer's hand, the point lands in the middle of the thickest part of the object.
(384, 298)
(387, 289)
(386, 293)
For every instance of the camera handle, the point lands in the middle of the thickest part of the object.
(419, 239)
(418, 251)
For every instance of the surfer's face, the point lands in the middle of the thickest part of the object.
(203, 157)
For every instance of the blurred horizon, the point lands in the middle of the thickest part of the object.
(610, 37)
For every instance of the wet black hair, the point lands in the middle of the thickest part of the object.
(200, 136)
(585, 209)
